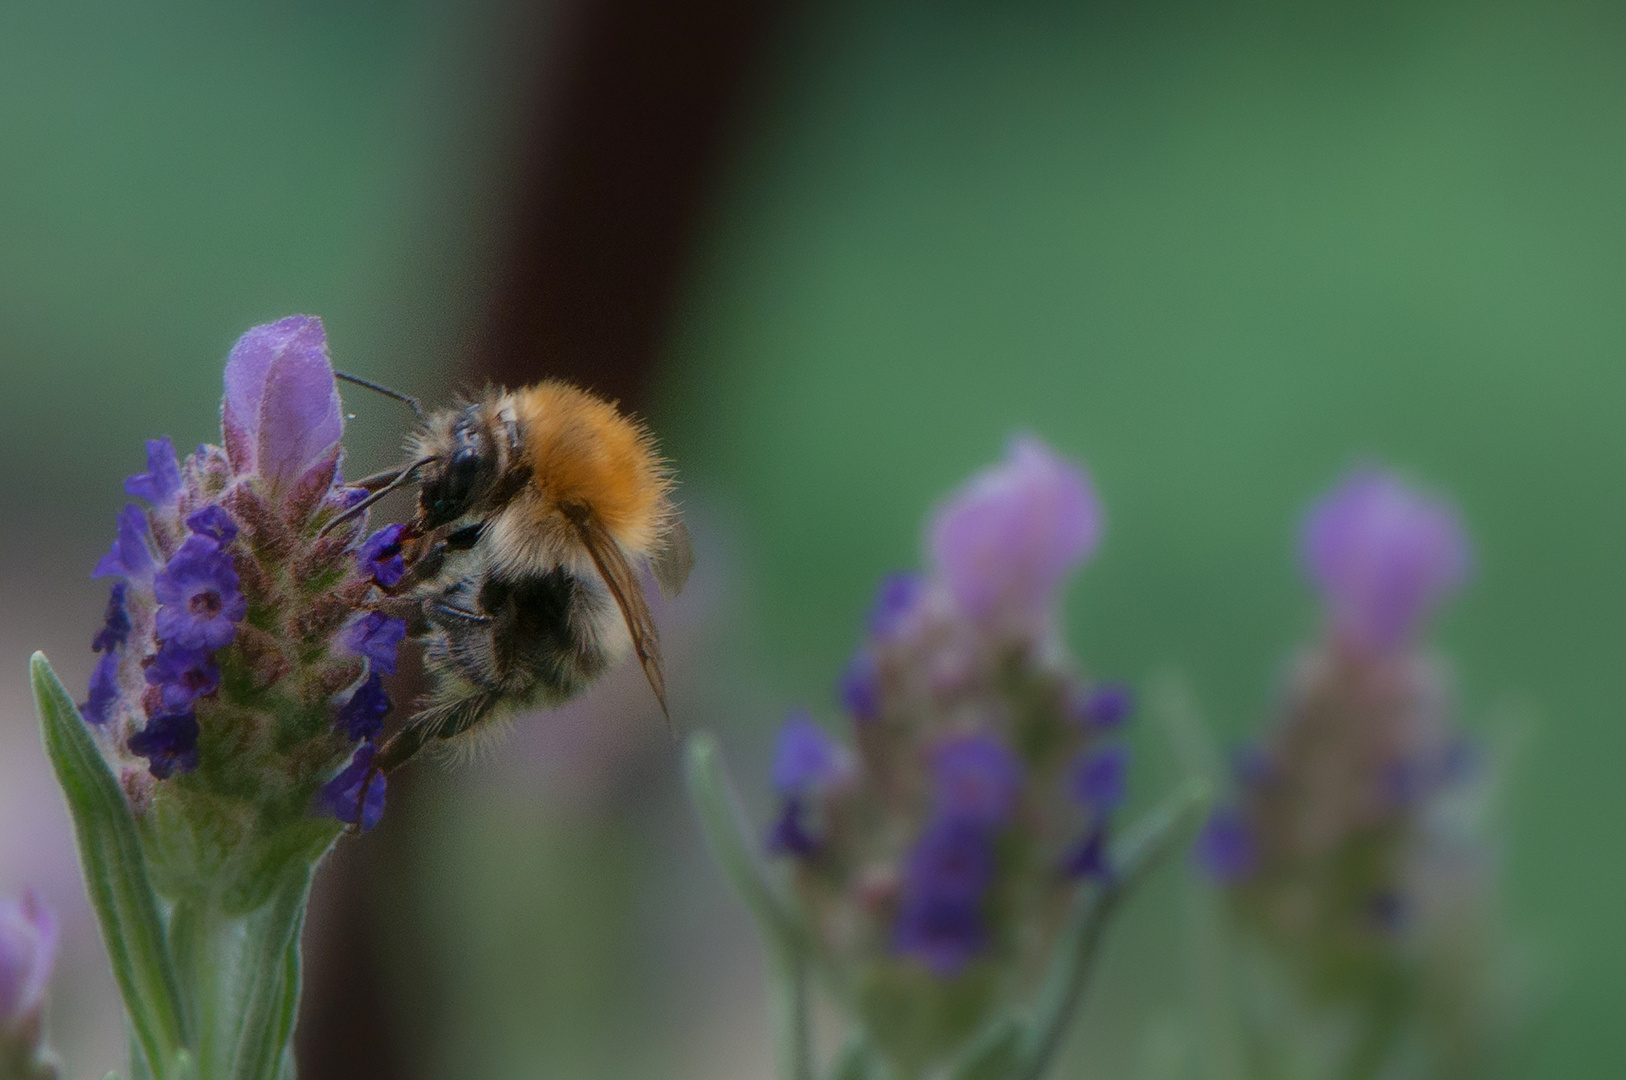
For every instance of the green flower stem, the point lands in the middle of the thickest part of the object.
(1154, 837)
(717, 806)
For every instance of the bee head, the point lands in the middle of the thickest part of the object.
(462, 463)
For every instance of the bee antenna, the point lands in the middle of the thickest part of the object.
(407, 399)
(405, 476)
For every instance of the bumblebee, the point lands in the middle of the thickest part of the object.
(536, 508)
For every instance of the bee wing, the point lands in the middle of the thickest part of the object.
(671, 565)
(628, 593)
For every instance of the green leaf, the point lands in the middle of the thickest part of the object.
(992, 1054)
(1151, 839)
(115, 874)
(717, 806)
(856, 1061)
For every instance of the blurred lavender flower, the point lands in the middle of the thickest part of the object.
(1331, 852)
(28, 939)
(927, 858)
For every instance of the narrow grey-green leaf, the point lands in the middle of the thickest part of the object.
(272, 996)
(1157, 834)
(717, 807)
(855, 1061)
(114, 871)
(992, 1054)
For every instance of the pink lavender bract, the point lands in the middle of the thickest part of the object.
(1008, 538)
(28, 935)
(280, 415)
(1383, 555)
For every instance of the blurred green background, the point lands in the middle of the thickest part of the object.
(1218, 251)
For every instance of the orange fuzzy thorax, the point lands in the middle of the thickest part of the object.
(582, 450)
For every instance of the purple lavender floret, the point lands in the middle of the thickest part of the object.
(183, 675)
(1226, 848)
(104, 690)
(169, 743)
(131, 557)
(894, 600)
(380, 555)
(975, 779)
(805, 757)
(362, 715)
(115, 621)
(1088, 858)
(946, 878)
(860, 695)
(199, 592)
(789, 834)
(1107, 706)
(162, 480)
(341, 796)
(1008, 538)
(943, 934)
(1098, 778)
(377, 637)
(215, 523)
(1384, 555)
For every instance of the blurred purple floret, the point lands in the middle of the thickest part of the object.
(1098, 777)
(975, 779)
(1226, 848)
(805, 757)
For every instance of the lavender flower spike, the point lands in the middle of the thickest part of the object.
(1383, 556)
(28, 936)
(1006, 540)
(281, 416)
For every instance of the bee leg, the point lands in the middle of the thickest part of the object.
(456, 616)
(466, 537)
